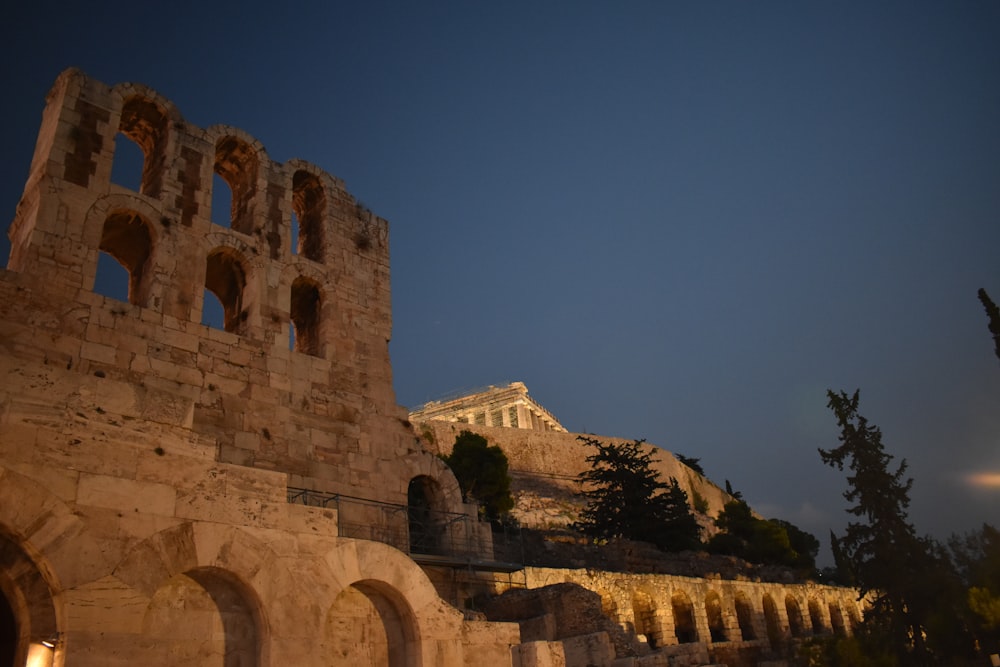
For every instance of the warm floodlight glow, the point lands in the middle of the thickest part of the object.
(39, 655)
(987, 479)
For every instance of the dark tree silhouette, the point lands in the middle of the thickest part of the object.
(881, 550)
(993, 314)
(482, 473)
(626, 498)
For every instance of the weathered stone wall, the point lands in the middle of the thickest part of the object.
(326, 414)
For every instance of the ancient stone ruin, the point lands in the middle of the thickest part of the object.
(177, 491)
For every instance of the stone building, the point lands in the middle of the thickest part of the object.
(177, 493)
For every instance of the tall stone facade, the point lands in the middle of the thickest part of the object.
(175, 493)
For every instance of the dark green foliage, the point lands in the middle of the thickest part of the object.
(977, 562)
(805, 545)
(626, 498)
(908, 580)
(993, 315)
(762, 541)
(482, 473)
(690, 463)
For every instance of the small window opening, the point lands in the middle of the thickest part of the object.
(305, 315)
(125, 239)
(225, 278)
(309, 204)
(126, 170)
(222, 201)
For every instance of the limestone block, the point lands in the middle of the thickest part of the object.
(593, 650)
(126, 495)
(540, 654)
(105, 605)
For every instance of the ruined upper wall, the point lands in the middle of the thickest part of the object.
(323, 412)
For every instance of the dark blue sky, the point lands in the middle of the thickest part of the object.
(674, 221)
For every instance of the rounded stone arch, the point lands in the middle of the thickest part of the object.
(313, 193)
(716, 617)
(427, 520)
(205, 611)
(28, 613)
(148, 119)
(793, 609)
(836, 619)
(233, 277)
(744, 615)
(816, 622)
(645, 617)
(772, 621)
(241, 161)
(448, 496)
(306, 305)
(684, 623)
(44, 549)
(122, 226)
(216, 572)
(385, 575)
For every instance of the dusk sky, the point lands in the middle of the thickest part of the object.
(678, 221)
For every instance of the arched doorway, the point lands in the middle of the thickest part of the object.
(370, 624)
(425, 525)
(27, 612)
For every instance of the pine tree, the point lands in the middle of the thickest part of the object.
(626, 498)
(881, 550)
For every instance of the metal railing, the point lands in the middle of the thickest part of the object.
(418, 531)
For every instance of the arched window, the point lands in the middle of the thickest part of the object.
(794, 616)
(744, 615)
(684, 626)
(144, 123)
(713, 610)
(225, 278)
(305, 315)
(237, 164)
(125, 238)
(309, 206)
